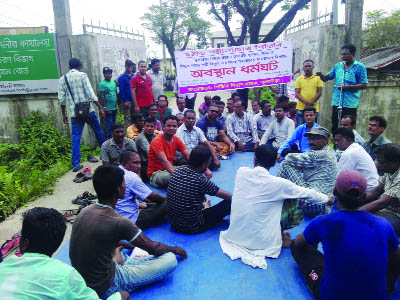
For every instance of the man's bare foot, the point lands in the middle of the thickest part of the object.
(286, 240)
(207, 204)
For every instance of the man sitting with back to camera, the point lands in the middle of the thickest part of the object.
(188, 210)
(153, 207)
(361, 251)
(99, 234)
(35, 275)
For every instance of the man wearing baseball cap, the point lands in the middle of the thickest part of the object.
(319, 170)
(361, 251)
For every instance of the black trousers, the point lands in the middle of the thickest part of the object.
(345, 111)
(190, 102)
(151, 216)
(311, 263)
(393, 220)
(215, 214)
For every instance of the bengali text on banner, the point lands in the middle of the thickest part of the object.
(235, 67)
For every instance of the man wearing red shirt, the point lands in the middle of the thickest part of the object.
(162, 153)
(142, 94)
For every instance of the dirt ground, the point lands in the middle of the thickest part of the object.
(66, 190)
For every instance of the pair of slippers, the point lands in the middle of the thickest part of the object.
(83, 176)
(85, 199)
(10, 245)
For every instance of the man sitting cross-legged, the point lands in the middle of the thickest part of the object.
(162, 153)
(193, 136)
(128, 207)
(255, 231)
(354, 157)
(241, 129)
(361, 251)
(385, 198)
(97, 238)
(36, 275)
(214, 132)
(279, 130)
(188, 210)
(112, 148)
(319, 173)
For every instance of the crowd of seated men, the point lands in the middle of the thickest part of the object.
(340, 187)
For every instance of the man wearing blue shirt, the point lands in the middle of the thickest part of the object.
(361, 251)
(124, 82)
(290, 146)
(350, 78)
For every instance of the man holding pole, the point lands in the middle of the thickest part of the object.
(350, 78)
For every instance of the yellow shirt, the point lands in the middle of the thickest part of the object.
(308, 90)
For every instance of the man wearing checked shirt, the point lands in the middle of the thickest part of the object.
(350, 78)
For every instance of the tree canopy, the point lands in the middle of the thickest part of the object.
(253, 13)
(174, 23)
(381, 29)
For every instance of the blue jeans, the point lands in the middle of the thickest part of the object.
(76, 134)
(300, 117)
(137, 272)
(110, 118)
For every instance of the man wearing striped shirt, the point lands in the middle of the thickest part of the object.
(241, 129)
(188, 210)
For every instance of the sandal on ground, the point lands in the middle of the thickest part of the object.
(79, 177)
(89, 196)
(69, 215)
(10, 245)
(92, 159)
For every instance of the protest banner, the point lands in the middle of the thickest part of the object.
(28, 64)
(235, 67)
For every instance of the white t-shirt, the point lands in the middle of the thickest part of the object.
(255, 231)
(356, 158)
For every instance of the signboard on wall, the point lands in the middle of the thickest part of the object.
(235, 67)
(28, 64)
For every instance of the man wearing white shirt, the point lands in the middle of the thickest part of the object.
(354, 157)
(158, 79)
(263, 118)
(279, 130)
(255, 231)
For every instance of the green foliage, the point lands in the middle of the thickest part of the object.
(266, 94)
(175, 22)
(381, 29)
(31, 168)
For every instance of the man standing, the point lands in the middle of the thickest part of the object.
(133, 131)
(359, 248)
(157, 78)
(193, 136)
(162, 153)
(181, 106)
(350, 78)
(349, 121)
(78, 90)
(143, 143)
(97, 234)
(308, 88)
(142, 95)
(190, 98)
(319, 173)
(108, 98)
(279, 130)
(188, 210)
(112, 148)
(354, 157)
(128, 207)
(264, 118)
(298, 135)
(254, 230)
(124, 82)
(241, 129)
(384, 200)
(376, 127)
(214, 132)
